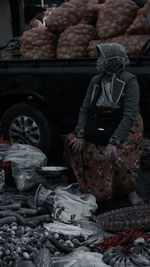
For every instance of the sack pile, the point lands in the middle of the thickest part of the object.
(115, 17)
(71, 13)
(38, 44)
(73, 42)
(141, 24)
(74, 28)
(132, 43)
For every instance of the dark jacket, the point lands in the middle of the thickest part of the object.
(125, 93)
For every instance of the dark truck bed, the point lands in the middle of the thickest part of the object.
(41, 99)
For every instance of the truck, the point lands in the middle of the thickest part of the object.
(40, 99)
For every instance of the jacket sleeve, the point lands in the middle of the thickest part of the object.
(79, 130)
(130, 108)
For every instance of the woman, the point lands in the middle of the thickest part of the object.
(34, 17)
(111, 161)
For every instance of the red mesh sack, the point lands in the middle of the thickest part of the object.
(5, 165)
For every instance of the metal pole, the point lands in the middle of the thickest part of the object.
(42, 3)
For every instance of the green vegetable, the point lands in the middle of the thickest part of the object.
(36, 220)
(27, 212)
(8, 213)
(13, 206)
(24, 264)
(8, 220)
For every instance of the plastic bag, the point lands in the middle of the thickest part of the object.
(71, 205)
(79, 258)
(2, 180)
(67, 230)
(24, 160)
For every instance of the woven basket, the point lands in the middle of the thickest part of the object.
(136, 217)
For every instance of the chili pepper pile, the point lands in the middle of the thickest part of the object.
(125, 239)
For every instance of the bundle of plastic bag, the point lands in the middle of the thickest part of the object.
(73, 42)
(132, 43)
(38, 44)
(71, 205)
(24, 160)
(71, 13)
(141, 24)
(115, 17)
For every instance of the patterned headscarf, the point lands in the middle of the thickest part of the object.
(114, 55)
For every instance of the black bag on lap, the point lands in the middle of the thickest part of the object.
(100, 125)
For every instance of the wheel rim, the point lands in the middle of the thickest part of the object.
(24, 130)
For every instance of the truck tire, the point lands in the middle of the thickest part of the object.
(26, 124)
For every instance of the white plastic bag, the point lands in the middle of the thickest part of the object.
(67, 230)
(79, 258)
(24, 160)
(71, 205)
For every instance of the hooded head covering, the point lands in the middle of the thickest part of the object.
(115, 57)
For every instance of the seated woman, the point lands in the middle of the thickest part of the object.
(105, 150)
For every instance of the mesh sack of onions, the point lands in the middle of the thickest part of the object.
(114, 17)
(91, 12)
(38, 44)
(141, 24)
(71, 13)
(91, 50)
(73, 42)
(132, 43)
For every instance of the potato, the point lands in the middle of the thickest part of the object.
(38, 44)
(141, 24)
(114, 17)
(76, 46)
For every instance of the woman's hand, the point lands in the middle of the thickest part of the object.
(110, 152)
(77, 144)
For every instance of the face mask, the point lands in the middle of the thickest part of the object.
(100, 65)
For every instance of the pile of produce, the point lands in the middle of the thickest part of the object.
(73, 42)
(132, 43)
(80, 24)
(141, 23)
(115, 17)
(71, 13)
(38, 44)
(23, 235)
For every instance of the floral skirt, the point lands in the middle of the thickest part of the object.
(101, 178)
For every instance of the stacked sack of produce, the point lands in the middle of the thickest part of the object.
(71, 13)
(132, 43)
(141, 24)
(74, 41)
(74, 28)
(115, 17)
(38, 44)
(134, 34)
